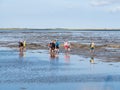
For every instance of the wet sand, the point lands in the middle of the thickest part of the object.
(107, 44)
(107, 53)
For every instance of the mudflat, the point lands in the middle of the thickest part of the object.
(107, 43)
(77, 70)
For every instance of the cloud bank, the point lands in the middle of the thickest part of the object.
(109, 5)
(100, 3)
(115, 9)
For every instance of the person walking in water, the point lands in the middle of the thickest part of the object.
(57, 43)
(92, 47)
(67, 46)
(21, 46)
(52, 48)
(24, 45)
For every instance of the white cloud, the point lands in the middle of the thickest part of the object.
(115, 9)
(100, 3)
(112, 6)
(104, 2)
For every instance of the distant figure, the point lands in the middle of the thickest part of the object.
(92, 47)
(92, 60)
(52, 46)
(57, 43)
(67, 46)
(24, 45)
(21, 46)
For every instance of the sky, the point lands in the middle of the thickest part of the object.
(59, 13)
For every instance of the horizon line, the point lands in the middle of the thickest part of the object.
(62, 28)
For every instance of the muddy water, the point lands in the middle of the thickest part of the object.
(35, 69)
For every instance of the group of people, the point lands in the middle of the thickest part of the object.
(54, 47)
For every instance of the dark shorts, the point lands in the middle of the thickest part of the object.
(20, 45)
(92, 48)
(52, 48)
(57, 47)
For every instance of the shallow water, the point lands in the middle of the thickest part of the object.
(63, 86)
(35, 69)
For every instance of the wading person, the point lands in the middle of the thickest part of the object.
(67, 46)
(92, 47)
(52, 48)
(24, 45)
(57, 43)
(21, 46)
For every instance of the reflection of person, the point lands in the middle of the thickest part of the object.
(92, 47)
(92, 60)
(67, 57)
(21, 54)
(54, 59)
(52, 54)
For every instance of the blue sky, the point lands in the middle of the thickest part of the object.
(60, 13)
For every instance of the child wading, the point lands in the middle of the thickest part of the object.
(67, 46)
(92, 47)
(24, 45)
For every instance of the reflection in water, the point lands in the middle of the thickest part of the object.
(60, 74)
(92, 60)
(21, 54)
(67, 57)
(54, 58)
(97, 86)
(52, 55)
(54, 64)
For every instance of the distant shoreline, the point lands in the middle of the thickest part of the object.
(73, 29)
